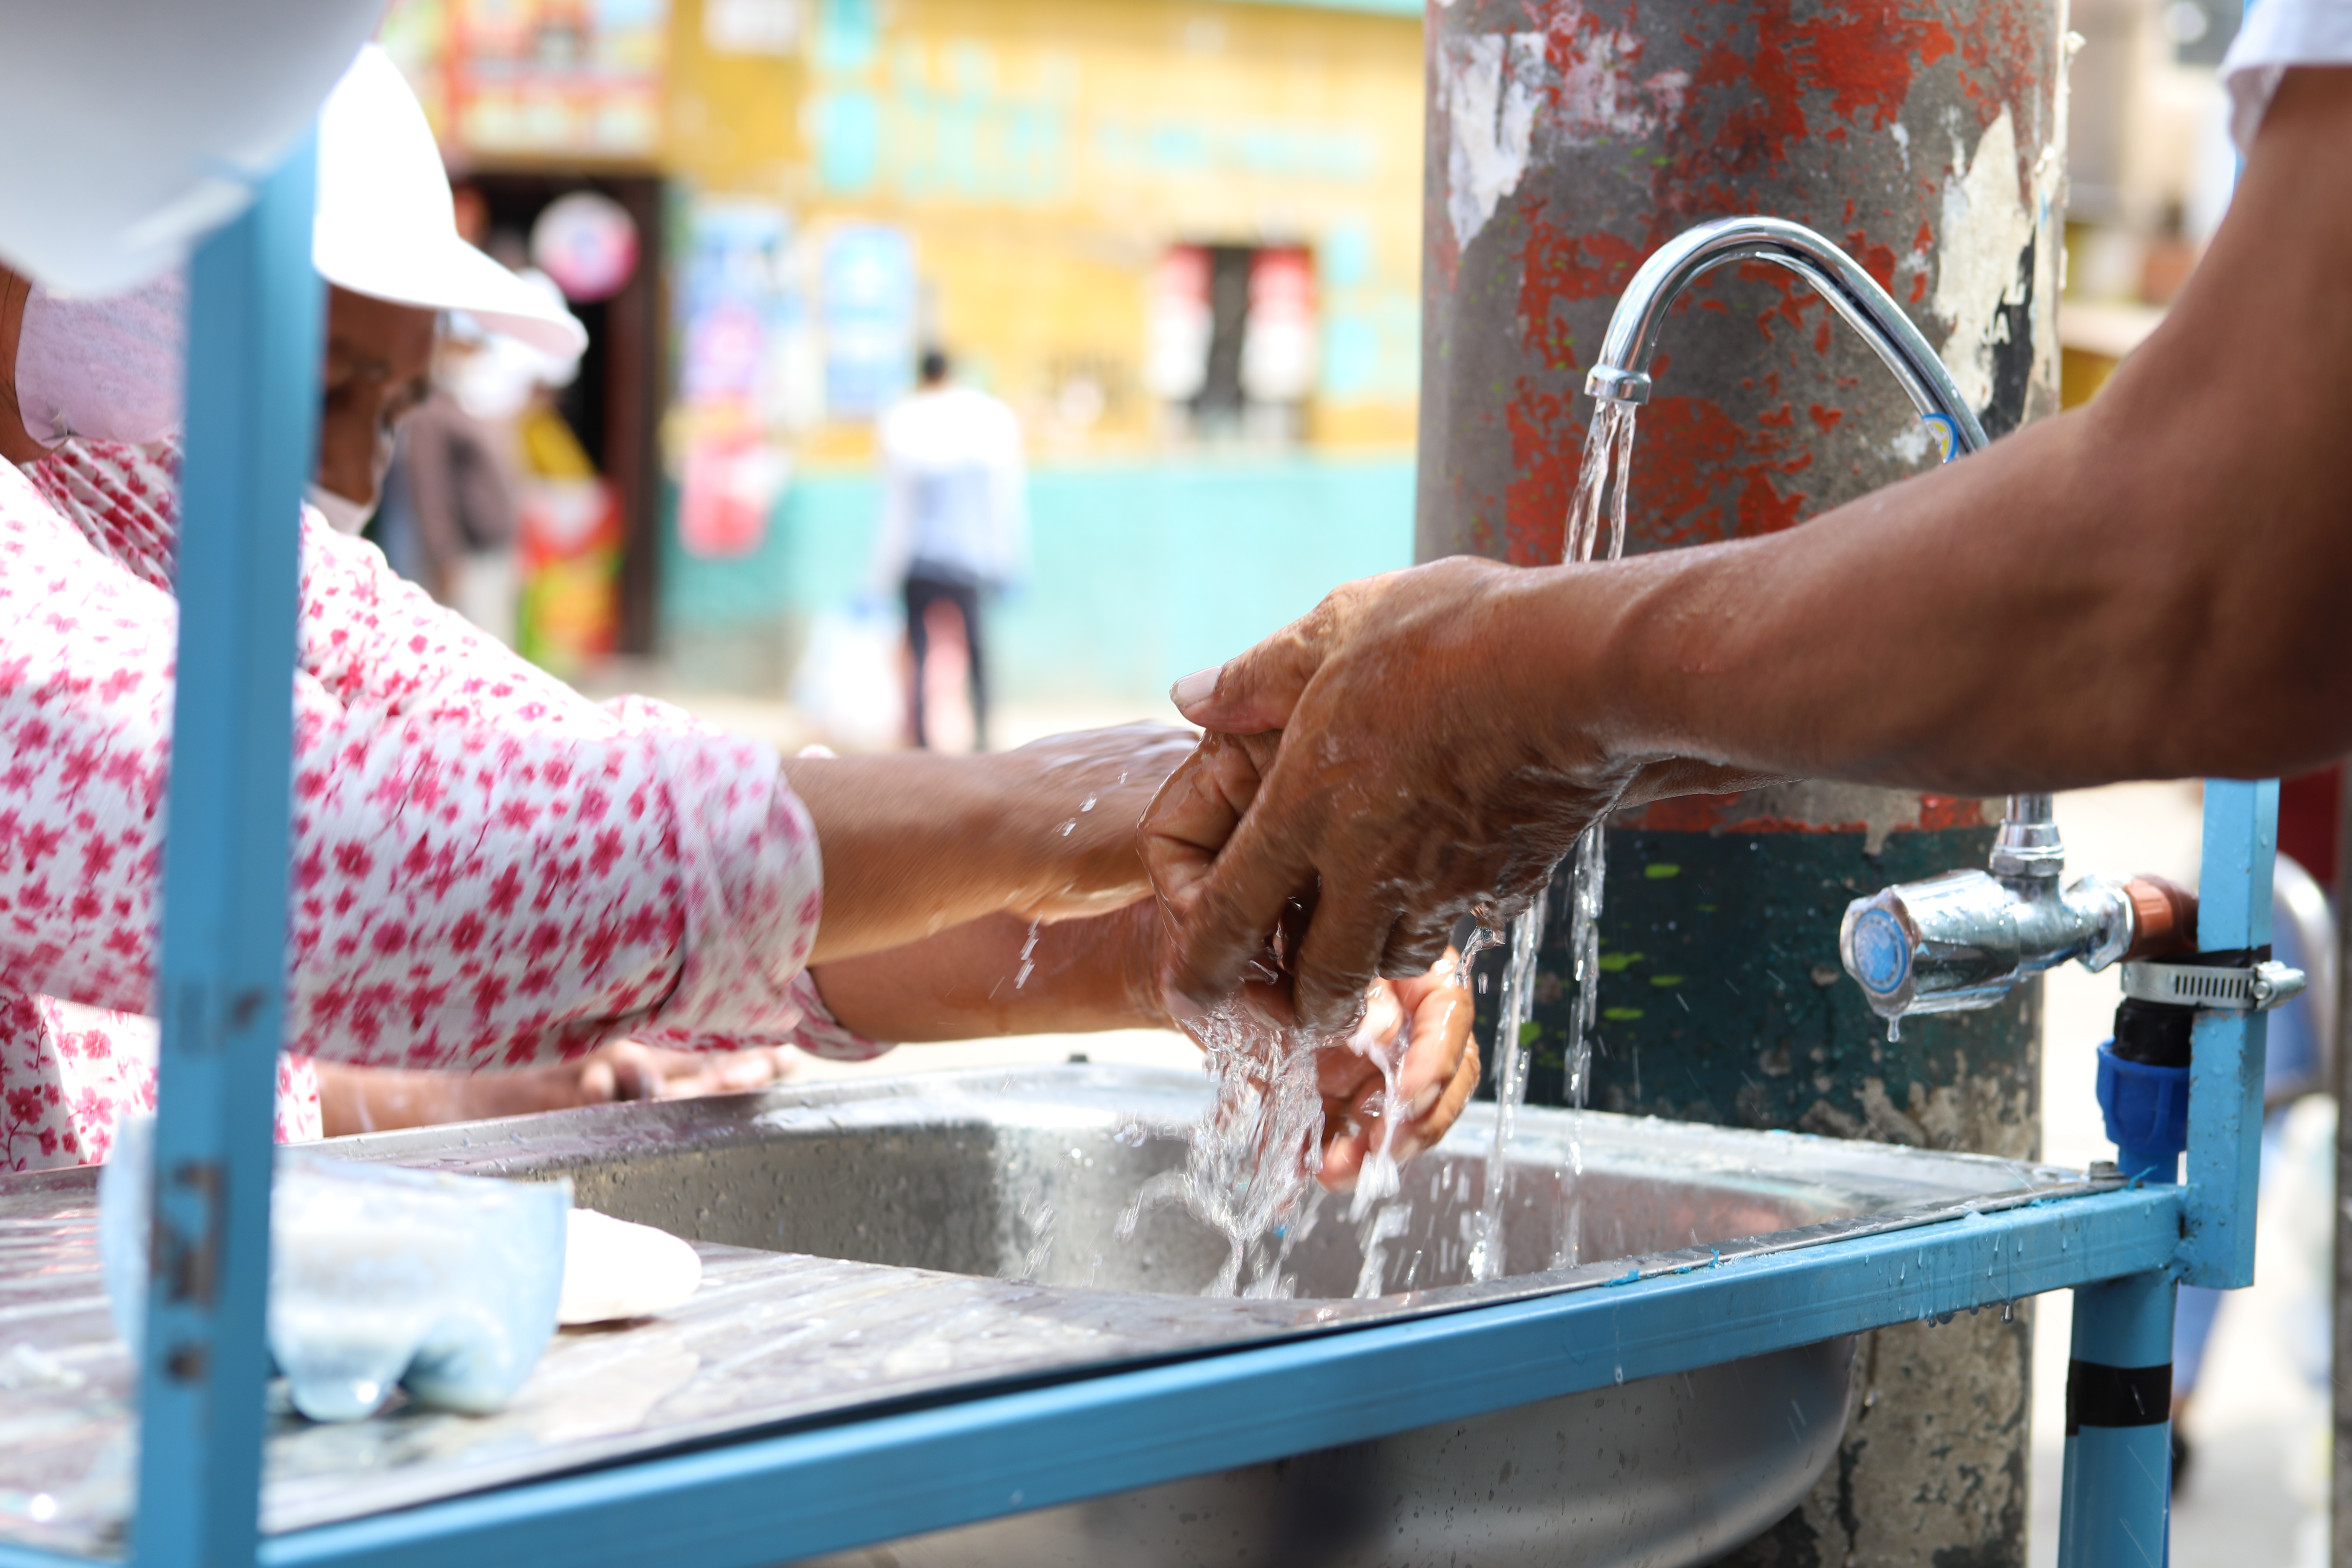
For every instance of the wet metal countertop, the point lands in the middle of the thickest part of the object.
(776, 1340)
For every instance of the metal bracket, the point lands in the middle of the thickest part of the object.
(2257, 989)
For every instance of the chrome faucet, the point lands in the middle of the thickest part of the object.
(1624, 373)
(1962, 939)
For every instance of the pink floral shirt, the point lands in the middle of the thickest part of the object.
(489, 870)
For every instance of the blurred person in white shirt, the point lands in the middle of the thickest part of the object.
(954, 524)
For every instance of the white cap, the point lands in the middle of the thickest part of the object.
(136, 125)
(387, 228)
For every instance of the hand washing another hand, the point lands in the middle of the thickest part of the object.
(1407, 753)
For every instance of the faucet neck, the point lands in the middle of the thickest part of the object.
(1623, 373)
(2028, 847)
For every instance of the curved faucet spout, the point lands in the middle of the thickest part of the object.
(1624, 373)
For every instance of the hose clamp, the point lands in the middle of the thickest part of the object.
(2256, 988)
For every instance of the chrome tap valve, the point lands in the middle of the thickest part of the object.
(1963, 939)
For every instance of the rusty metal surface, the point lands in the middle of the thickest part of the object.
(941, 1170)
(1567, 140)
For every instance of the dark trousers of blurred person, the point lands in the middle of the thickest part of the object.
(936, 607)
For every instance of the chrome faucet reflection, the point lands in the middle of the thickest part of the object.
(1622, 375)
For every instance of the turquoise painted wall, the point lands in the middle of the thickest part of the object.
(1139, 573)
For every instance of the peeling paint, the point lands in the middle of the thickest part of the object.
(1814, 805)
(1596, 94)
(1987, 232)
(1490, 85)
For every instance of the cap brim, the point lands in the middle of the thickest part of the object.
(437, 274)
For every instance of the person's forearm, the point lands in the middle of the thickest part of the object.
(1081, 976)
(2150, 586)
(915, 844)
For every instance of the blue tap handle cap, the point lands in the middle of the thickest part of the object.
(2147, 1112)
(1881, 951)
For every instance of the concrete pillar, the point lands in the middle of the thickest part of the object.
(1565, 143)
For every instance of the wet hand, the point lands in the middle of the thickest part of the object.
(1434, 1079)
(916, 844)
(1412, 751)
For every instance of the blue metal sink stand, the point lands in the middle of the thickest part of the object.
(767, 1499)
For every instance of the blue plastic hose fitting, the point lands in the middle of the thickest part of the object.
(2147, 1110)
(2143, 1087)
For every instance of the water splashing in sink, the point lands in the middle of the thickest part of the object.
(1252, 1158)
(1251, 1161)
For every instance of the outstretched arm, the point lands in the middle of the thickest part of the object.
(1001, 976)
(915, 844)
(2151, 587)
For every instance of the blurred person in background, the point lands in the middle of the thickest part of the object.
(954, 526)
(450, 519)
(447, 521)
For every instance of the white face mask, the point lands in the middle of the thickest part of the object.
(343, 514)
(109, 369)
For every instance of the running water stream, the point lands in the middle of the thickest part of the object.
(1251, 1161)
(1607, 449)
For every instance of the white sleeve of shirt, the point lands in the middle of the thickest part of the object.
(2276, 35)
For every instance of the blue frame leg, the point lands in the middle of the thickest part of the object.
(2120, 1426)
(2117, 1496)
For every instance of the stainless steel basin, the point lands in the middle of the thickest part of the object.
(894, 1242)
(1024, 1176)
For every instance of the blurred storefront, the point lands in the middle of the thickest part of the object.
(1181, 238)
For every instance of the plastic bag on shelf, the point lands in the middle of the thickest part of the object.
(379, 1277)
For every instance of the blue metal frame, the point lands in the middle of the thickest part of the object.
(769, 1498)
(253, 368)
(779, 1499)
(2226, 1049)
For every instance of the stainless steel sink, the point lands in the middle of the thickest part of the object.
(1022, 1176)
(893, 1243)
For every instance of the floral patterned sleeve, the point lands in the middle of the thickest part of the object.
(489, 870)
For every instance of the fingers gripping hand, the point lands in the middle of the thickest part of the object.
(1430, 1016)
(1410, 783)
(1229, 918)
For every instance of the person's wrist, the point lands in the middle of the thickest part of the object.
(1137, 969)
(1571, 675)
(1012, 828)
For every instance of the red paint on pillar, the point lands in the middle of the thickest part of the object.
(1731, 814)
(1557, 267)
(1867, 69)
(1547, 455)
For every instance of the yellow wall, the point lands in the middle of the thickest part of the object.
(1041, 155)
